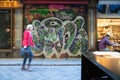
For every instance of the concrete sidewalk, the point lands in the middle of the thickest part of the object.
(41, 69)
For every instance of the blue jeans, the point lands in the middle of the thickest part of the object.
(28, 55)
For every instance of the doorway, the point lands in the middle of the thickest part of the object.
(5, 30)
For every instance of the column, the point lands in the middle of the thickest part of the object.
(92, 24)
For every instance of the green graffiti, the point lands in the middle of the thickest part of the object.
(42, 12)
(84, 45)
(67, 34)
(79, 23)
(70, 28)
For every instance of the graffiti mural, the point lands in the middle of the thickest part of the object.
(58, 29)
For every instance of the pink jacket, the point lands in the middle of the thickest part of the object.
(28, 39)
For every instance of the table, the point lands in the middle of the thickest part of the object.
(100, 65)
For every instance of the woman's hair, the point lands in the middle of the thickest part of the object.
(29, 26)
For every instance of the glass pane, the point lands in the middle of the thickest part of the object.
(101, 8)
(5, 29)
(114, 8)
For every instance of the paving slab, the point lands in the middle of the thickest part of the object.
(41, 69)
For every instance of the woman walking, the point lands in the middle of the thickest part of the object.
(27, 43)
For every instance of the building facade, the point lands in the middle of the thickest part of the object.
(61, 28)
(11, 26)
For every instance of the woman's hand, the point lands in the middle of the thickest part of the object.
(25, 47)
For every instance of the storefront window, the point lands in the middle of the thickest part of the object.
(5, 29)
(114, 8)
(108, 8)
(109, 26)
(108, 21)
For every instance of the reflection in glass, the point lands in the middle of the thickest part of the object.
(101, 8)
(114, 8)
(5, 32)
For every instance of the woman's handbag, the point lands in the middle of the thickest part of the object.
(23, 51)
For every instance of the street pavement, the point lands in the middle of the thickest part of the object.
(41, 69)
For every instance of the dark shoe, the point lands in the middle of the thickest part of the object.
(23, 68)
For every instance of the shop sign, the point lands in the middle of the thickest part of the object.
(55, 1)
(10, 4)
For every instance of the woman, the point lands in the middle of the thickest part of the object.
(27, 43)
